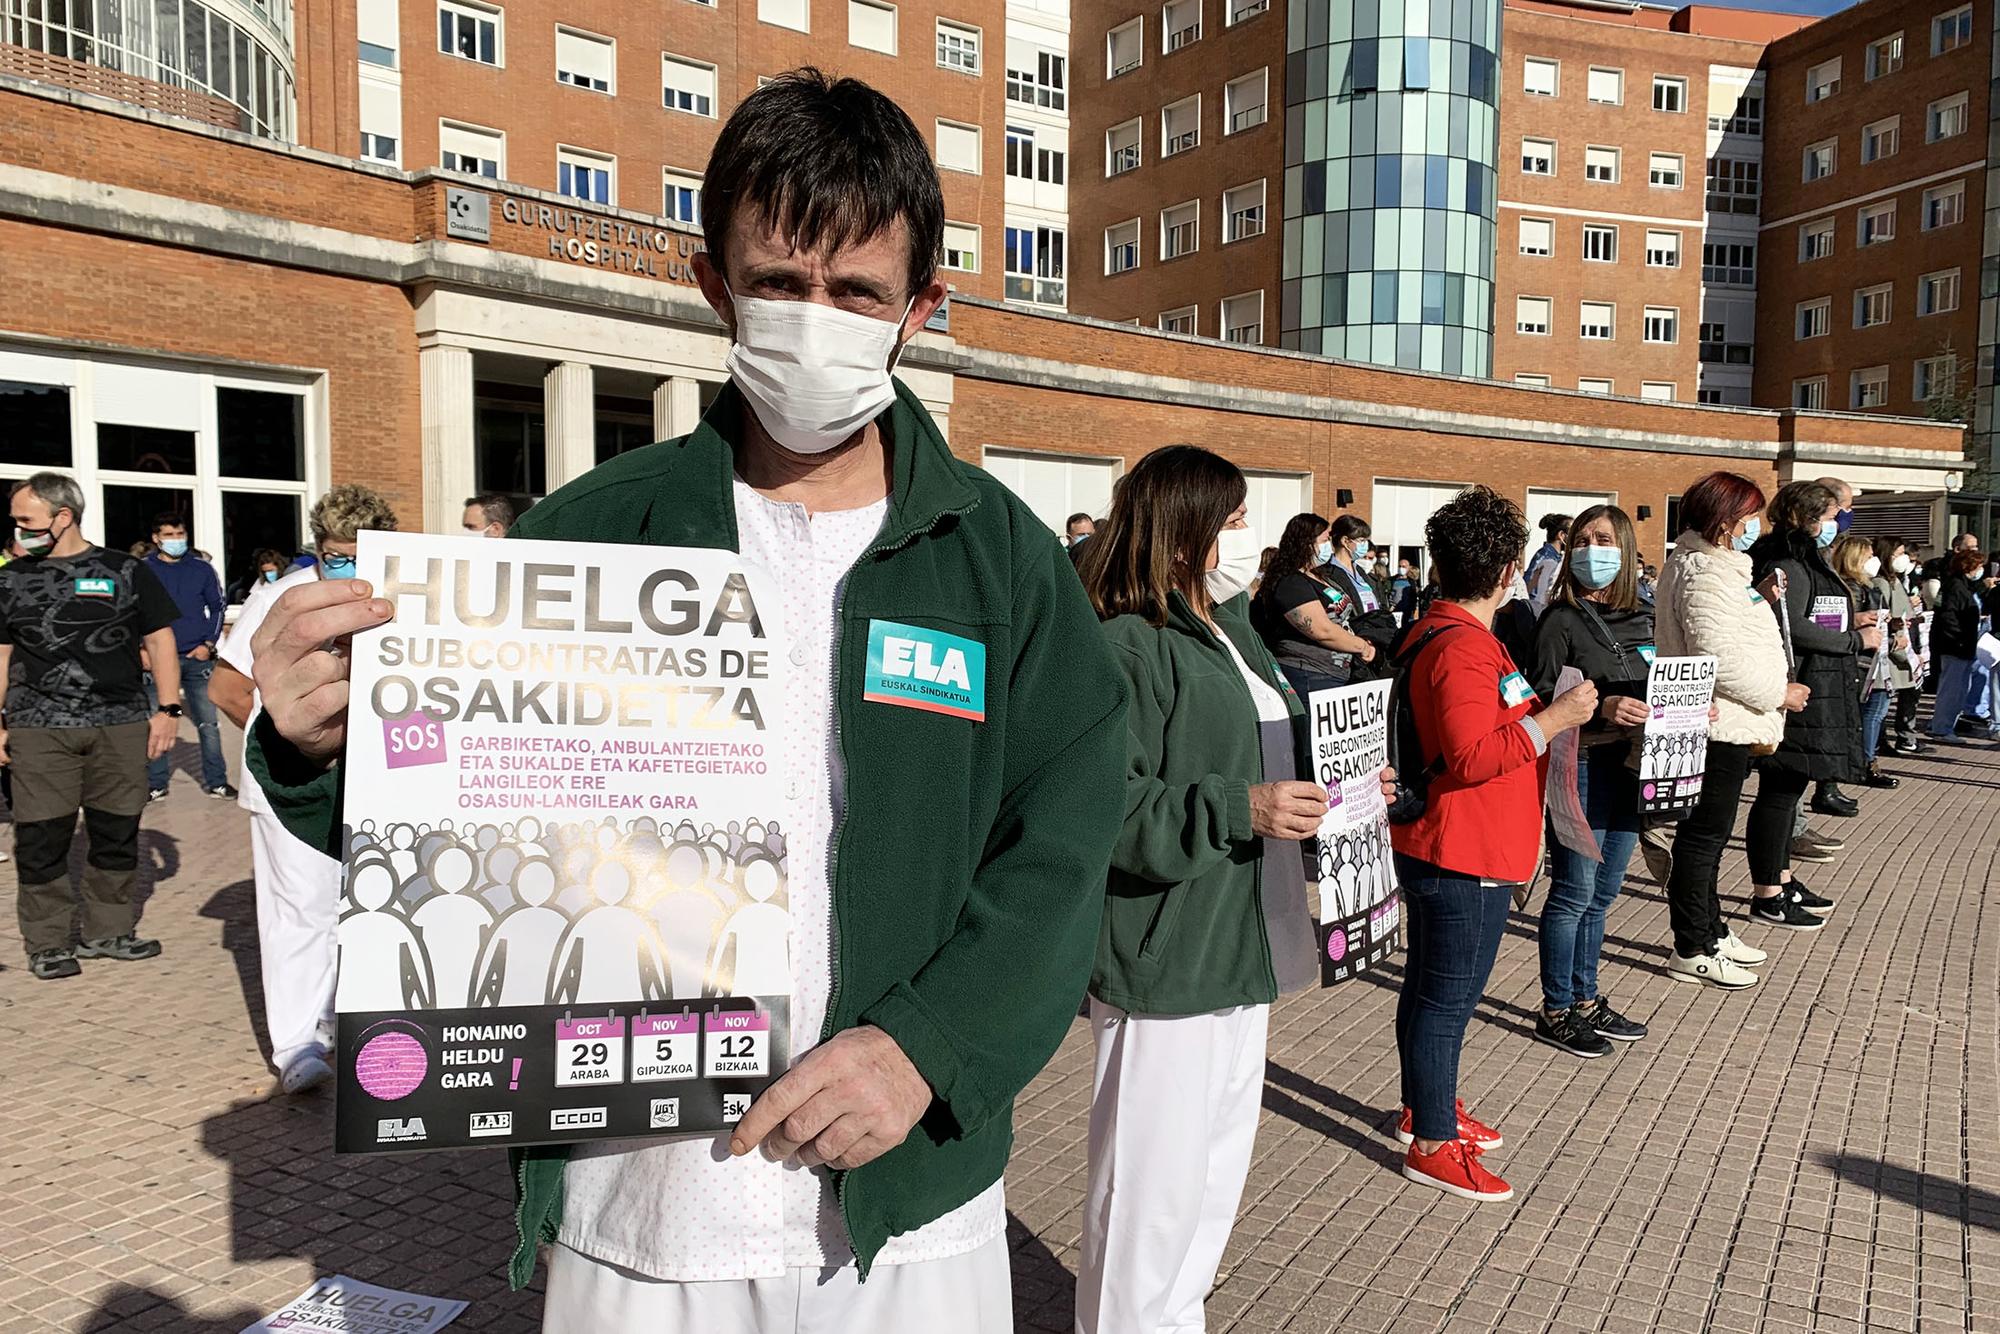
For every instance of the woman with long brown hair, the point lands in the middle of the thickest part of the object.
(1205, 920)
(1303, 616)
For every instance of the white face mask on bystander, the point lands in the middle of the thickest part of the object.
(1237, 554)
(814, 374)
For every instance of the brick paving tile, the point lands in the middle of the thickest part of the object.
(1814, 1155)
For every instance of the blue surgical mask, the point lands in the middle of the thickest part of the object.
(1361, 550)
(1596, 567)
(1323, 553)
(336, 567)
(1751, 532)
(1829, 530)
(270, 576)
(175, 547)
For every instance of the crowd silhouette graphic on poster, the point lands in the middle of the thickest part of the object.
(1673, 754)
(1355, 870)
(522, 913)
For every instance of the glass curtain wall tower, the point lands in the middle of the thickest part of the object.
(1391, 134)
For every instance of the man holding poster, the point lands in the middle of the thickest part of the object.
(956, 736)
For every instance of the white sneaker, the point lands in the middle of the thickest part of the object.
(305, 1073)
(1713, 969)
(1733, 948)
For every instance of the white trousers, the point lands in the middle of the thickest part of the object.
(298, 916)
(960, 1294)
(1172, 1123)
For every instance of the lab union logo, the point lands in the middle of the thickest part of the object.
(917, 668)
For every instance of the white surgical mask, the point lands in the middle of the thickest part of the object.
(814, 374)
(1237, 554)
(1900, 564)
(1872, 566)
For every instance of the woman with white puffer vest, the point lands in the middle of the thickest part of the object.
(1705, 604)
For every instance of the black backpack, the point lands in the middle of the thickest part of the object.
(1412, 785)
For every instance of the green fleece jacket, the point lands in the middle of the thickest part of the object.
(1184, 928)
(968, 871)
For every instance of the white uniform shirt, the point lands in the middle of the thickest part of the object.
(235, 650)
(683, 1209)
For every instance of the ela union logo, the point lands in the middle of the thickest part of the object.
(399, 1130)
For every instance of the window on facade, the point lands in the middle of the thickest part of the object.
(1180, 321)
(1539, 77)
(1823, 80)
(1243, 318)
(1814, 317)
(1243, 211)
(1124, 48)
(1606, 86)
(1531, 314)
(1735, 185)
(1121, 247)
(1538, 236)
(1244, 101)
(1885, 55)
(585, 60)
(381, 122)
(1600, 164)
(871, 26)
(1665, 171)
(1947, 118)
(1663, 324)
(1121, 148)
(1600, 243)
(1810, 395)
(1020, 153)
(1538, 157)
(1052, 166)
(1732, 263)
(1663, 250)
(1180, 230)
(1937, 293)
(1596, 320)
(1869, 388)
(1872, 305)
(375, 29)
(1951, 30)
(1180, 126)
(1944, 205)
(1529, 380)
(470, 148)
(958, 147)
(1037, 77)
(1816, 239)
(687, 86)
(961, 247)
(1035, 264)
(1659, 391)
(469, 31)
(1670, 94)
(1240, 10)
(1180, 24)
(376, 147)
(793, 14)
(1876, 223)
(957, 47)
(581, 174)
(1746, 117)
(1820, 159)
(1936, 377)
(1593, 386)
(1880, 139)
(682, 201)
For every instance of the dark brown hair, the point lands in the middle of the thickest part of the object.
(1473, 538)
(1624, 588)
(1798, 506)
(1165, 515)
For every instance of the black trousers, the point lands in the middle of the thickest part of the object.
(1693, 906)
(1773, 815)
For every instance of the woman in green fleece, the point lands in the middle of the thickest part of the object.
(1205, 922)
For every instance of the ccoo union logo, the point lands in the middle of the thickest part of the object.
(577, 1118)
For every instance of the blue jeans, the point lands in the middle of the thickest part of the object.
(1874, 713)
(194, 699)
(1954, 693)
(1581, 890)
(1454, 928)
(1978, 692)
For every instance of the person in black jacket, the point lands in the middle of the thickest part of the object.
(1596, 623)
(1955, 643)
(1824, 637)
(1303, 618)
(1374, 614)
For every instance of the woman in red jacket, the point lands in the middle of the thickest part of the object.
(1484, 734)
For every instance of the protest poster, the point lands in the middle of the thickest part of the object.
(342, 1305)
(1360, 908)
(1560, 793)
(1920, 648)
(564, 912)
(1674, 754)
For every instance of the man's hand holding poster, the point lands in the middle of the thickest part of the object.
(564, 915)
(1360, 910)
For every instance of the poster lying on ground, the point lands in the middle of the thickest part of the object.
(1674, 754)
(342, 1305)
(564, 912)
(1360, 907)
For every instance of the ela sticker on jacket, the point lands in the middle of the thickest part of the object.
(1649, 652)
(926, 669)
(1515, 690)
(95, 588)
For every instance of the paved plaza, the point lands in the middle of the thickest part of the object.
(1819, 1153)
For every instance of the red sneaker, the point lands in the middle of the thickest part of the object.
(1455, 1169)
(1476, 1133)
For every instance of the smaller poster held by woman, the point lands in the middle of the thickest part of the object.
(1360, 910)
(1674, 755)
